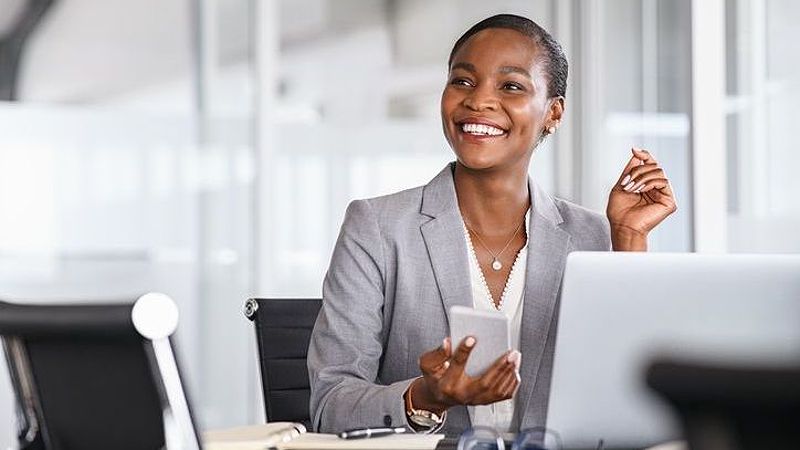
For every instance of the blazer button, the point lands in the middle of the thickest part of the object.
(387, 420)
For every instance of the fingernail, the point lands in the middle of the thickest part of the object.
(639, 189)
(446, 365)
(628, 186)
(470, 341)
(625, 180)
(444, 343)
(513, 357)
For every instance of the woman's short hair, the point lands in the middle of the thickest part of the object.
(556, 64)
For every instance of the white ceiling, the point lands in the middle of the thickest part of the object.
(88, 49)
(96, 51)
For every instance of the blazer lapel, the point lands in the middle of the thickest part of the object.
(444, 240)
(547, 252)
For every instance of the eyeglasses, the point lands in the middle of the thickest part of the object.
(486, 438)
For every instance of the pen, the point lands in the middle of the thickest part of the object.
(370, 432)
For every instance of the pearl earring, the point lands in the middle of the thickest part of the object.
(551, 130)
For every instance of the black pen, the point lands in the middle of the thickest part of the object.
(363, 433)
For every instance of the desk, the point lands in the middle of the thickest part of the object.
(257, 436)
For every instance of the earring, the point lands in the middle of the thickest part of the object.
(551, 130)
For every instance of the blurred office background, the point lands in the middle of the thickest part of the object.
(208, 148)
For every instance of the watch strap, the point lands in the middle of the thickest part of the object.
(422, 420)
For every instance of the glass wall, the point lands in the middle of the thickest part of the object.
(632, 81)
(126, 166)
(763, 88)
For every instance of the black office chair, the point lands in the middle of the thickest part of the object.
(96, 376)
(723, 407)
(283, 331)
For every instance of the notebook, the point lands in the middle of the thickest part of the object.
(292, 436)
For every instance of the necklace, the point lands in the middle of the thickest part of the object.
(508, 286)
(496, 264)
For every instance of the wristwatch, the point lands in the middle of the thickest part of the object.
(424, 419)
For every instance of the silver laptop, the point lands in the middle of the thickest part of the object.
(619, 311)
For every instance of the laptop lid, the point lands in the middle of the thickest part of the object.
(619, 311)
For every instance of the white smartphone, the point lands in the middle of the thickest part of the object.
(491, 331)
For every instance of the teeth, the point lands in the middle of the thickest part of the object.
(481, 129)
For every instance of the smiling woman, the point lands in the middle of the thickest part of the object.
(403, 260)
(496, 80)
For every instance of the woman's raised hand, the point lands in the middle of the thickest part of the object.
(444, 382)
(639, 200)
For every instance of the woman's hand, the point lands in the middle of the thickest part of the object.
(444, 383)
(640, 200)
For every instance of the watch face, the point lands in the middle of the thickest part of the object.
(424, 421)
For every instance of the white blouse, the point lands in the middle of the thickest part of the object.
(498, 415)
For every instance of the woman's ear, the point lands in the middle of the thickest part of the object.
(556, 111)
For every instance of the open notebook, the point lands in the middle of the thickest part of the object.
(292, 436)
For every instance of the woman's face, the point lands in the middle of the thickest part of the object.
(495, 104)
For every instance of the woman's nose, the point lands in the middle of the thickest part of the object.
(481, 98)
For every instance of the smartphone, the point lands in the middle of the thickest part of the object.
(489, 328)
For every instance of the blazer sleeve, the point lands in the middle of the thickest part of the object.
(346, 345)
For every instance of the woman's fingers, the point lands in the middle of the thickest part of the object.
(646, 176)
(436, 361)
(642, 177)
(498, 382)
(655, 183)
(461, 354)
(495, 371)
(446, 348)
(453, 383)
(643, 155)
(637, 172)
(623, 177)
(512, 357)
(505, 383)
(635, 177)
(495, 390)
(639, 158)
(509, 385)
(491, 386)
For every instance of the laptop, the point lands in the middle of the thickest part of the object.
(621, 311)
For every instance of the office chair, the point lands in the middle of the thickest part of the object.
(283, 331)
(732, 408)
(97, 376)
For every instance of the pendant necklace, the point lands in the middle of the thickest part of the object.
(496, 264)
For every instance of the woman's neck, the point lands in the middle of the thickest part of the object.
(492, 202)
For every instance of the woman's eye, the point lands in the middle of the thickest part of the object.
(513, 87)
(461, 82)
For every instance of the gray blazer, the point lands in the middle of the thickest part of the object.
(399, 264)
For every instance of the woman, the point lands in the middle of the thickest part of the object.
(480, 234)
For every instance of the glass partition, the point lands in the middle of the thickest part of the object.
(763, 87)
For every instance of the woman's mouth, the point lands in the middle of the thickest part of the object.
(480, 130)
